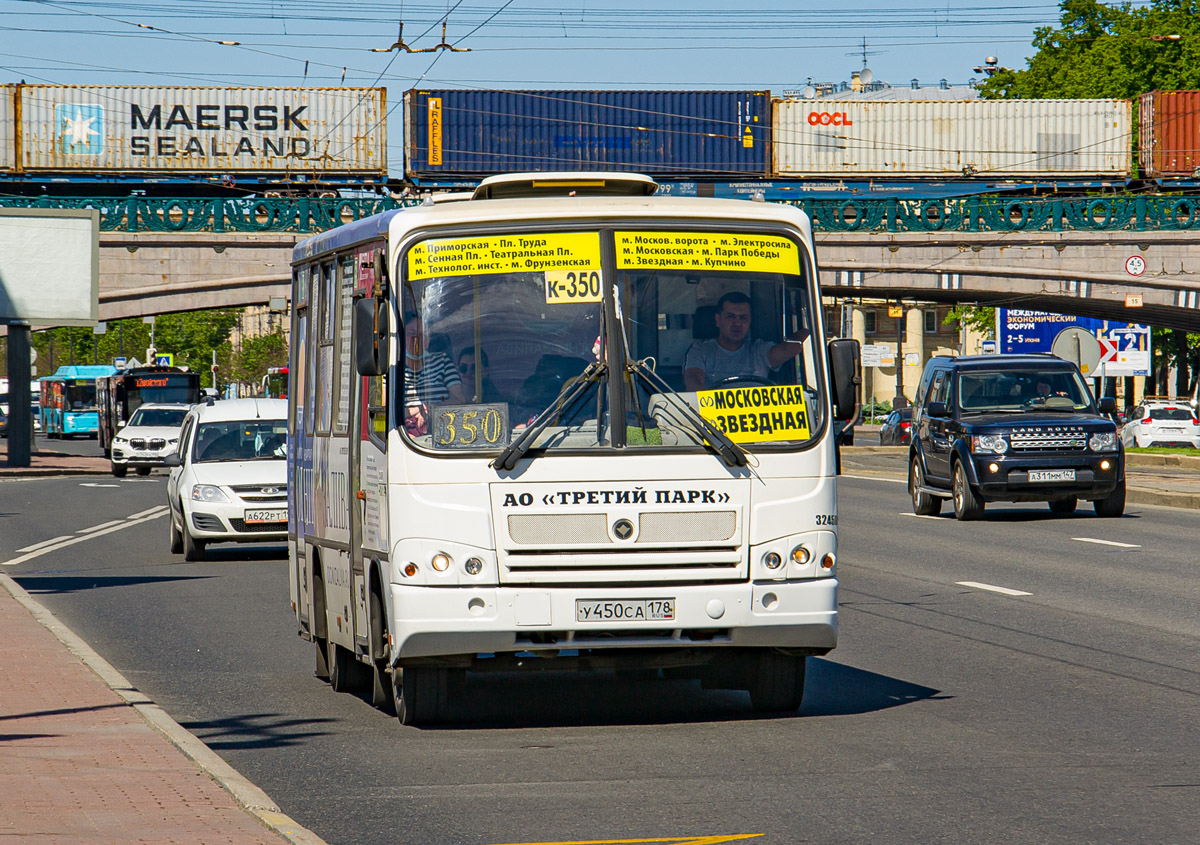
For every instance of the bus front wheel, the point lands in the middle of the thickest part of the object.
(420, 693)
(778, 684)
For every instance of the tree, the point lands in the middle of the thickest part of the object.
(1105, 51)
(258, 354)
(190, 336)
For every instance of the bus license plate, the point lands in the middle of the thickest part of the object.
(1052, 475)
(266, 516)
(623, 610)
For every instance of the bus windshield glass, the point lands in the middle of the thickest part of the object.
(698, 328)
(81, 396)
(993, 391)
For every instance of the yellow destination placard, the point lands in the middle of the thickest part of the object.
(757, 414)
(537, 253)
(707, 251)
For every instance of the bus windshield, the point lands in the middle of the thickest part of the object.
(81, 396)
(691, 324)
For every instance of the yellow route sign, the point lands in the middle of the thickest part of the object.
(757, 414)
(578, 252)
(735, 251)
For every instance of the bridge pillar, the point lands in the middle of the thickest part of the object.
(907, 377)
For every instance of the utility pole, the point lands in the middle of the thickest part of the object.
(899, 400)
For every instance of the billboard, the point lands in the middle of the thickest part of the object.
(1124, 347)
(50, 266)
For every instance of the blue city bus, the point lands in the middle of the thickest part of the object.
(67, 407)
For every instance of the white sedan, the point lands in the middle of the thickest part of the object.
(1162, 424)
(228, 483)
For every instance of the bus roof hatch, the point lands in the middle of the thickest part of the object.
(518, 185)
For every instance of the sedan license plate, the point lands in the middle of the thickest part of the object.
(266, 516)
(1052, 475)
(623, 610)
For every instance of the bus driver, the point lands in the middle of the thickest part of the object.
(733, 352)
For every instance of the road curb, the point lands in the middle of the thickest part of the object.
(250, 797)
(38, 472)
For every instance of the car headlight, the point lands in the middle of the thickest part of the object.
(173, 441)
(208, 493)
(1103, 442)
(121, 440)
(993, 443)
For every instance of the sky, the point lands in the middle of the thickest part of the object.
(692, 44)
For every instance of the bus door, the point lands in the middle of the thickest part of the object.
(368, 458)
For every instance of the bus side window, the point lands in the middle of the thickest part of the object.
(377, 408)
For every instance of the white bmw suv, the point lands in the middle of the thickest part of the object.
(144, 442)
(228, 482)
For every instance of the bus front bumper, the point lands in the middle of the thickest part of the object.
(435, 622)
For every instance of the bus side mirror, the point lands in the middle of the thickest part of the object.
(845, 376)
(370, 336)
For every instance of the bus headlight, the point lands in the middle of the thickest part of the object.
(208, 493)
(801, 556)
(440, 562)
(473, 566)
(772, 560)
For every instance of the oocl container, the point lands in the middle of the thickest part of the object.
(1169, 133)
(988, 138)
(65, 128)
(472, 133)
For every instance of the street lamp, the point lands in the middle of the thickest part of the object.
(990, 67)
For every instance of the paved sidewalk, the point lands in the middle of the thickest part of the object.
(85, 757)
(50, 462)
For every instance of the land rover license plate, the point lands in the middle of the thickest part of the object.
(624, 610)
(266, 516)
(1051, 475)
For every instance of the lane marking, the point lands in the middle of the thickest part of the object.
(920, 515)
(1003, 590)
(153, 513)
(147, 512)
(95, 484)
(673, 840)
(96, 527)
(1107, 542)
(45, 543)
(876, 478)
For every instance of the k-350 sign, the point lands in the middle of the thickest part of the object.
(1124, 347)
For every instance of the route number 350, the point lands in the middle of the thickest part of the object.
(470, 426)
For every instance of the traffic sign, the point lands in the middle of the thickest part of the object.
(120, 362)
(1135, 265)
(878, 355)
(167, 360)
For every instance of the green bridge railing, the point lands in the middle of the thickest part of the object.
(968, 214)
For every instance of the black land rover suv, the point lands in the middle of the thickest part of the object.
(1012, 428)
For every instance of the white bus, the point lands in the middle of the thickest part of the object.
(562, 418)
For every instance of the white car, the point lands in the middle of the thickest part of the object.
(1171, 424)
(228, 482)
(151, 434)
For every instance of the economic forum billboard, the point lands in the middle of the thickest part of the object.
(1124, 347)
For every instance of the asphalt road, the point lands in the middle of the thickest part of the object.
(949, 712)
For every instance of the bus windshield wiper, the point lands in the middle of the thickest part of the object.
(571, 391)
(731, 453)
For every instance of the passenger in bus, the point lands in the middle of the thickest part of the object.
(429, 378)
(733, 352)
(466, 368)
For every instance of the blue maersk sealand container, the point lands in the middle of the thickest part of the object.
(697, 134)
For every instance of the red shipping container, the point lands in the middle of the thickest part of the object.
(1169, 138)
